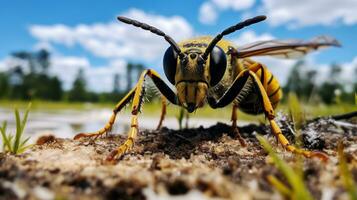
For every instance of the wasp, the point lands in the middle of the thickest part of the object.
(213, 71)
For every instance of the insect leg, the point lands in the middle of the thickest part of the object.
(163, 112)
(159, 83)
(255, 67)
(269, 113)
(234, 90)
(235, 130)
(108, 126)
(136, 108)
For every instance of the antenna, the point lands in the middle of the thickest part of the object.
(230, 30)
(155, 31)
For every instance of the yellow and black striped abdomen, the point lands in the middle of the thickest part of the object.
(252, 103)
(274, 90)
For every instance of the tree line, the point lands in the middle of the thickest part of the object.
(31, 80)
(303, 82)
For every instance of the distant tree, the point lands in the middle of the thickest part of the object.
(335, 73)
(36, 84)
(78, 91)
(331, 86)
(129, 69)
(43, 60)
(295, 79)
(139, 69)
(27, 56)
(4, 85)
(133, 72)
(308, 84)
(56, 92)
(116, 83)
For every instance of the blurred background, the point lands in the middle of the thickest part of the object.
(73, 60)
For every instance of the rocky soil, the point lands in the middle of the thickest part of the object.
(199, 163)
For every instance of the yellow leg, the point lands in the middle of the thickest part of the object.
(255, 67)
(163, 112)
(108, 126)
(135, 110)
(269, 112)
(235, 130)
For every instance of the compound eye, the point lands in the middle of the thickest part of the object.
(218, 64)
(170, 62)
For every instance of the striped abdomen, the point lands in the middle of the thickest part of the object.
(252, 102)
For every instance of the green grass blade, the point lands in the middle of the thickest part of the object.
(9, 138)
(24, 120)
(296, 182)
(296, 111)
(18, 132)
(24, 142)
(346, 175)
(23, 148)
(285, 191)
(5, 139)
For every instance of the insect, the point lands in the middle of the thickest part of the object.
(214, 71)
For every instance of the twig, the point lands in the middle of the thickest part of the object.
(335, 117)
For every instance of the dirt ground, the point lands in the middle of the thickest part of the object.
(199, 163)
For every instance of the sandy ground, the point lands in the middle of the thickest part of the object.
(200, 163)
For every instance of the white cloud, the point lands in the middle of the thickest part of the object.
(43, 45)
(209, 10)
(99, 78)
(117, 40)
(250, 36)
(234, 4)
(9, 63)
(308, 13)
(207, 13)
(279, 67)
(114, 41)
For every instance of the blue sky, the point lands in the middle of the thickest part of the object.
(79, 32)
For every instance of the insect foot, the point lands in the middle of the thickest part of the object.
(87, 135)
(120, 151)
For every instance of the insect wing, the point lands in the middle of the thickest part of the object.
(285, 48)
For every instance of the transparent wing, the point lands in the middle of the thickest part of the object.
(285, 48)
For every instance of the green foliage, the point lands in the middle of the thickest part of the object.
(327, 92)
(180, 116)
(346, 175)
(298, 189)
(295, 110)
(79, 91)
(302, 82)
(35, 84)
(4, 85)
(15, 144)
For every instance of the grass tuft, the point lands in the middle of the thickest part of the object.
(296, 111)
(346, 175)
(15, 144)
(298, 189)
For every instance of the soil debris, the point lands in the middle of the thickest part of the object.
(197, 163)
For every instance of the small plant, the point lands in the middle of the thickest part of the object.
(15, 144)
(180, 117)
(295, 111)
(297, 189)
(346, 175)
